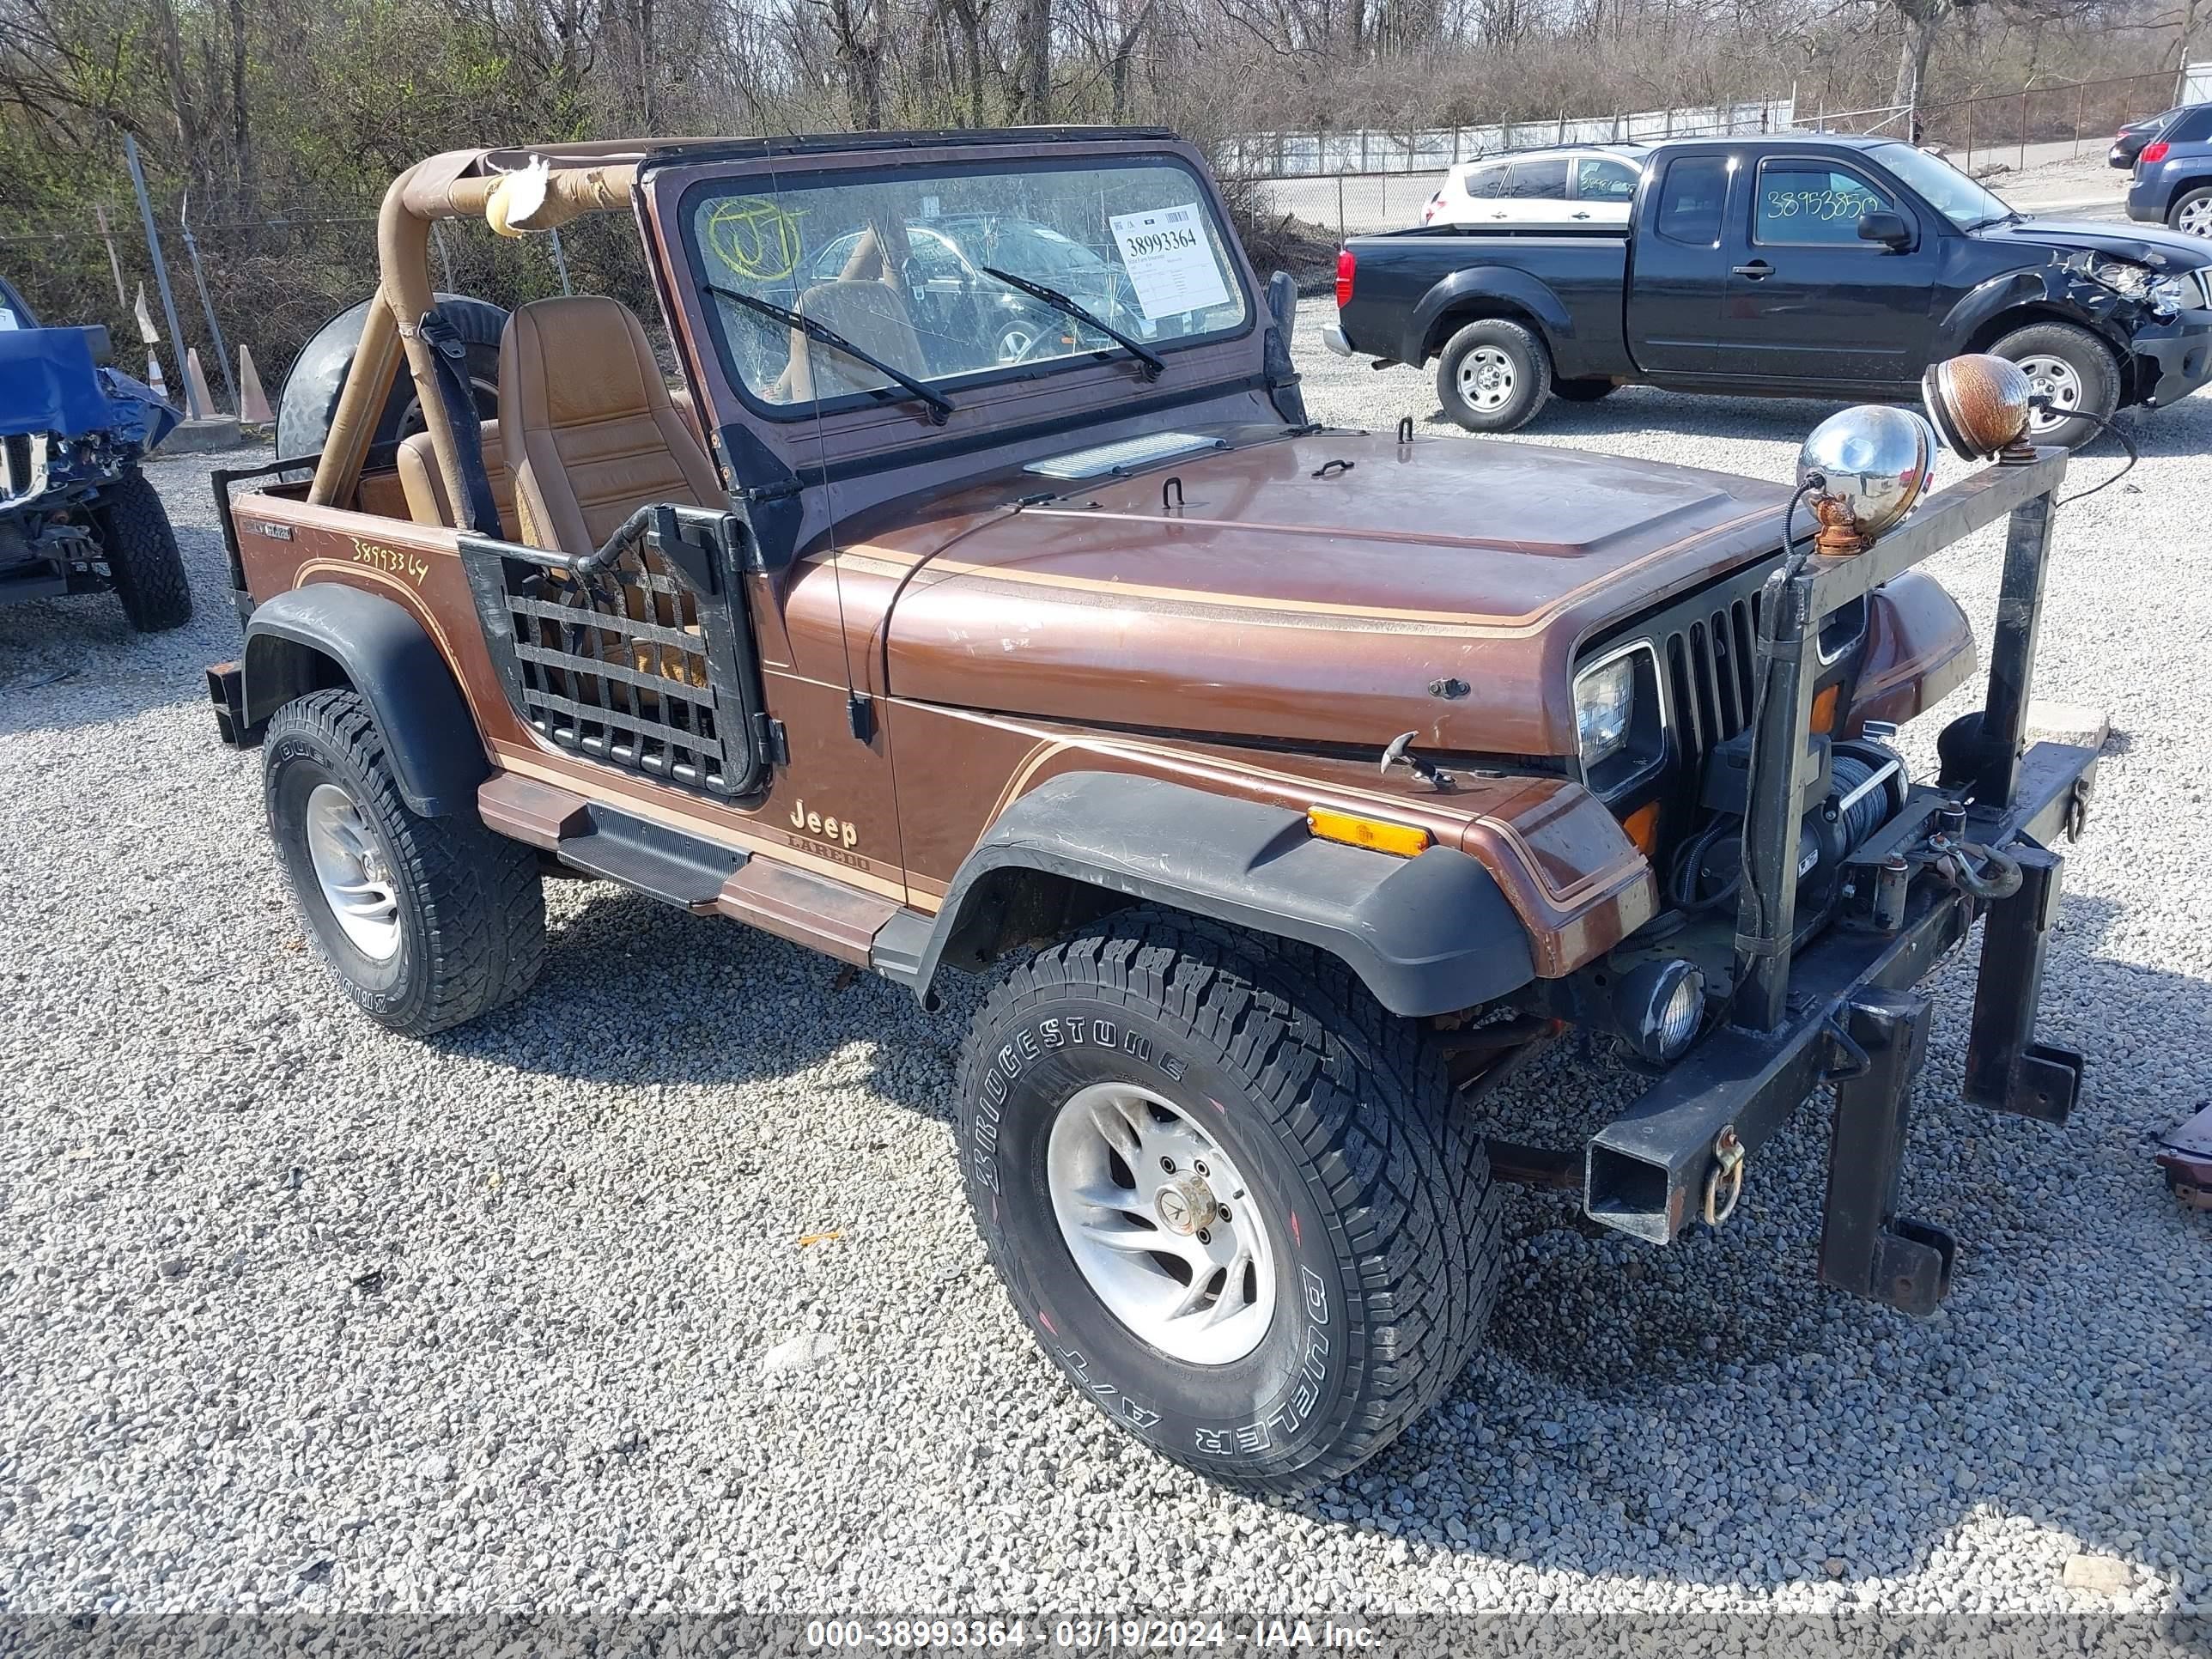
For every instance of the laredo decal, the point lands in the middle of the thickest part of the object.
(394, 560)
(838, 831)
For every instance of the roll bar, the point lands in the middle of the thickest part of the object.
(517, 192)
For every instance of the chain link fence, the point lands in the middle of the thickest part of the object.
(273, 279)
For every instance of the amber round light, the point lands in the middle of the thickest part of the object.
(1977, 402)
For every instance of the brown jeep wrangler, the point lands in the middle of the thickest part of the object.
(990, 603)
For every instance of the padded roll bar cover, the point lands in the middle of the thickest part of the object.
(1427, 935)
(437, 756)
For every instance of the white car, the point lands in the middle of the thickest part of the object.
(1593, 185)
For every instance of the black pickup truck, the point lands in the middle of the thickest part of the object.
(1811, 265)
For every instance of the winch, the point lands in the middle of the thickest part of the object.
(1863, 783)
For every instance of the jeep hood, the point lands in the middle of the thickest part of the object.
(1336, 588)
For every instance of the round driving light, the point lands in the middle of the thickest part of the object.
(1865, 468)
(1660, 1006)
(1978, 403)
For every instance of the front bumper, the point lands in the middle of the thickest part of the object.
(1835, 999)
(2174, 358)
(1858, 1022)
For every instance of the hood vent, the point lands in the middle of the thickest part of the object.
(1109, 460)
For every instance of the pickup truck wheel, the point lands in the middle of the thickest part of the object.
(2192, 213)
(430, 922)
(1494, 375)
(2071, 366)
(1228, 1194)
(1583, 392)
(141, 549)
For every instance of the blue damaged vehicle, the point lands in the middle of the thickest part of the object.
(76, 514)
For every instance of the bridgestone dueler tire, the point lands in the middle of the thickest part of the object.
(141, 549)
(472, 905)
(1376, 1194)
(1531, 366)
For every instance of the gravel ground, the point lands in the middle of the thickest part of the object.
(657, 1292)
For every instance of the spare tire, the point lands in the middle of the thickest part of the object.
(310, 391)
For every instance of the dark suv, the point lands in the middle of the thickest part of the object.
(2172, 182)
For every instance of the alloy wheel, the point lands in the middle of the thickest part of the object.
(353, 872)
(1161, 1224)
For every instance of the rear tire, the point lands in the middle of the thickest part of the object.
(1493, 376)
(1583, 392)
(141, 549)
(2192, 212)
(446, 921)
(1293, 1107)
(2072, 365)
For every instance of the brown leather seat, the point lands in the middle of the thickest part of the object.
(870, 314)
(586, 425)
(424, 485)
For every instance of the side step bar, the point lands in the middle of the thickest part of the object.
(683, 870)
(701, 876)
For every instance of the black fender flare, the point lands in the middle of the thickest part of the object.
(383, 653)
(1515, 290)
(1426, 935)
(2050, 290)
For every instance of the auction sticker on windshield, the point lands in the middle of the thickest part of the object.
(1169, 260)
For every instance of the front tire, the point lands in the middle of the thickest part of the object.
(1121, 1087)
(430, 922)
(2073, 368)
(1493, 376)
(2192, 213)
(141, 549)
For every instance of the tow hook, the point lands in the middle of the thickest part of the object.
(1724, 1180)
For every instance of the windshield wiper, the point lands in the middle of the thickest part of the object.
(1154, 367)
(940, 407)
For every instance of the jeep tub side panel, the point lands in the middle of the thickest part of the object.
(384, 653)
(1427, 935)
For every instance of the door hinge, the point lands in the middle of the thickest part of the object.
(860, 715)
(769, 736)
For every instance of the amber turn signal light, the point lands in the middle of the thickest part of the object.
(1377, 835)
(1643, 826)
(1824, 709)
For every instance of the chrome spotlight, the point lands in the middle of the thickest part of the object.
(1978, 403)
(1864, 470)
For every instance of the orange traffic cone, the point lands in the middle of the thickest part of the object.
(253, 401)
(154, 376)
(196, 383)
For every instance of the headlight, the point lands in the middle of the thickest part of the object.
(2163, 295)
(1605, 696)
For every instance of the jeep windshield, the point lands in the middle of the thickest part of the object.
(898, 262)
